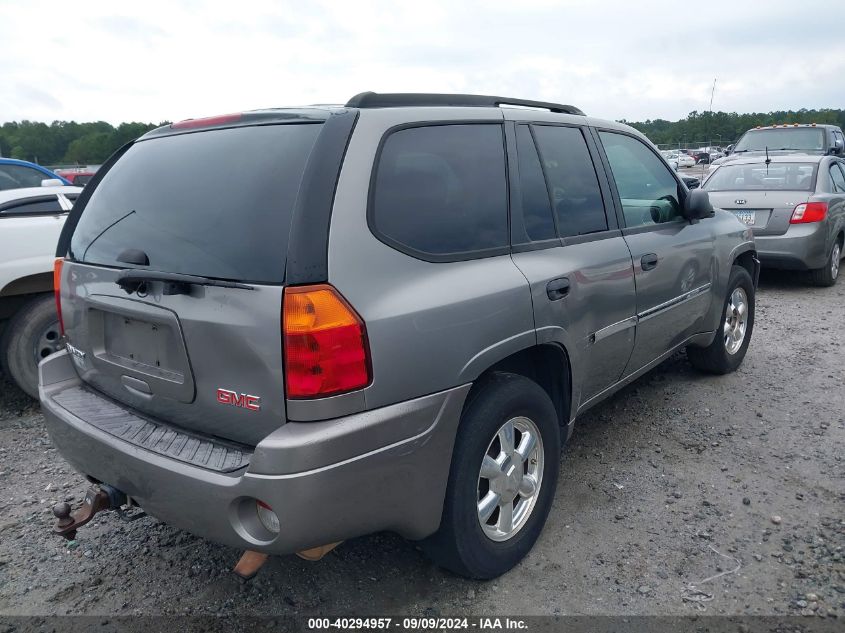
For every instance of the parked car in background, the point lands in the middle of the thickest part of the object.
(78, 177)
(30, 223)
(19, 174)
(457, 283)
(678, 159)
(794, 204)
(685, 160)
(789, 139)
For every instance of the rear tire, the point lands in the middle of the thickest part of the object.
(828, 274)
(483, 548)
(727, 351)
(30, 335)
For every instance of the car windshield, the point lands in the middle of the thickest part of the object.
(760, 177)
(799, 138)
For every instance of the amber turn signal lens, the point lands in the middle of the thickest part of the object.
(325, 343)
(57, 290)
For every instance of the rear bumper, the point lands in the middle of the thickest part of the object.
(327, 481)
(802, 247)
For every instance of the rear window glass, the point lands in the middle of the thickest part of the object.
(761, 177)
(441, 190)
(216, 203)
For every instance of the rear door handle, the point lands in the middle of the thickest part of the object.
(557, 288)
(649, 261)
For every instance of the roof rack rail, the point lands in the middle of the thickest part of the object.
(406, 99)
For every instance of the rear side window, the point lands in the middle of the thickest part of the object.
(647, 188)
(19, 176)
(46, 205)
(441, 191)
(572, 180)
(215, 203)
(537, 221)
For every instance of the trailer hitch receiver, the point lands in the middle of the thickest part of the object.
(97, 498)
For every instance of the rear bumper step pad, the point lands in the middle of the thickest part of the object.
(152, 436)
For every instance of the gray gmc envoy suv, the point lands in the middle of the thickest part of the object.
(290, 327)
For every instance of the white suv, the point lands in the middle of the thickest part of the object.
(30, 222)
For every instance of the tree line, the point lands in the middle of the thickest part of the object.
(69, 142)
(66, 142)
(722, 128)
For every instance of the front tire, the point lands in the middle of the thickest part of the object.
(30, 335)
(828, 274)
(730, 344)
(502, 480)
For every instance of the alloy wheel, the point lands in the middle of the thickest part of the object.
(736, 320)
(510, 478)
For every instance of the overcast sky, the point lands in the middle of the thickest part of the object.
(154, 60)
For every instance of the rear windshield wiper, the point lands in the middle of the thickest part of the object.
(174, 283)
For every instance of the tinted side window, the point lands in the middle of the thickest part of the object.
(441, 190)
(837, 178)
(572, 180)
(37, 206)
(537, 220)
(648, 190)
(18, 176)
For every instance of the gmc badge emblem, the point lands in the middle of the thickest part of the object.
(739, 201)
(242, 400)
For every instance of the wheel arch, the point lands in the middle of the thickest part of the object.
(28, 285)
(747, 259)
(548, 365)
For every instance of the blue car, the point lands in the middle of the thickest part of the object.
(16, 174)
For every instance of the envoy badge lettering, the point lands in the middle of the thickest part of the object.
(242, 400)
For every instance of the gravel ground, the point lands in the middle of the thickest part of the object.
(683, 494)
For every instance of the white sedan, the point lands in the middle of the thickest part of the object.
(678, 159)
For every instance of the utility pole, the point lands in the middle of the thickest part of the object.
(710, 119)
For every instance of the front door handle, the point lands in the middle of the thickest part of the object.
(557, 288)
(649, 261)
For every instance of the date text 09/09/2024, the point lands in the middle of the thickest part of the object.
(424, 623)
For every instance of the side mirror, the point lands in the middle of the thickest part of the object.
(837, 146)
(697, 205)
(51, 182)
(729, 149)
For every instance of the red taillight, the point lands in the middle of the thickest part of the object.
(809, 212)
(57, 290)
(325, 343)
(206, 122)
